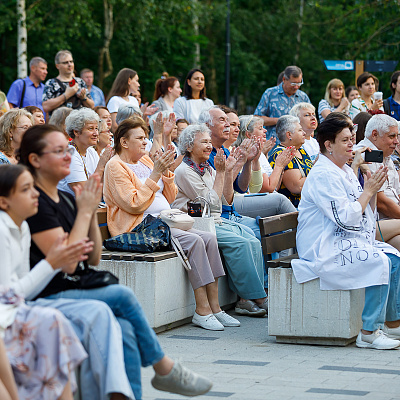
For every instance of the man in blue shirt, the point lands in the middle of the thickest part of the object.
(29, 91)
(95, 92)
(279, 100)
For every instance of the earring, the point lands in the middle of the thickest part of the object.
(330, 153)
(290, 138)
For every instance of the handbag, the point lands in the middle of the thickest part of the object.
(205, 223)
(178, 219)
(149, 236)
(89, 278)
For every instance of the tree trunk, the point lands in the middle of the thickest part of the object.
(300, 27)
(105, 50)
(196, 61)
(22, 40)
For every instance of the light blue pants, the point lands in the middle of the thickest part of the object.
(243, 259)
(141, 347)
(103, 372)
(382, 302)
(263, 205)
(255, 206)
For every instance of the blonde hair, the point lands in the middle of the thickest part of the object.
(8, 122)
(333, 83)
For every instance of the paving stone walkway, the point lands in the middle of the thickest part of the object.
(247, 364)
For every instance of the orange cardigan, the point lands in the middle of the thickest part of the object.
(127, 198)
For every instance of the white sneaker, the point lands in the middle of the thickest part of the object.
(183, 381)
(392, 333)
(377, 340)
(207, 322)
(226, 320)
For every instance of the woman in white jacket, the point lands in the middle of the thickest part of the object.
(336, 237)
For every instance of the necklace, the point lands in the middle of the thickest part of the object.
(83, 159)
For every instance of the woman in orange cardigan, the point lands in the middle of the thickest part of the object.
(134, 187)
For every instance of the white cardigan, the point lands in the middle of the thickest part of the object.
(15, 269)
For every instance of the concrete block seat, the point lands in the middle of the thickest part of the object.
(160, 283)
(302, 313)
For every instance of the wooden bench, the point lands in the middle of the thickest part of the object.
(302, 313)
(159, 281)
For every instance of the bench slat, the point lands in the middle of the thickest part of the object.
(282, 262)
(282, 241)
(277, 223)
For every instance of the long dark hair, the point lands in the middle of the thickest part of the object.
(34, 142)
(162, 86)
(120, 86)
(187, 90)
(9, 173)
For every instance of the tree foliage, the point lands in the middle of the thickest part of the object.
(152, 36)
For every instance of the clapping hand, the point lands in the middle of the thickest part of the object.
(89, 195)
(63, 255)
(374, 182)
(164, 160)
(220, 161)
(268, 145)
(284, 158)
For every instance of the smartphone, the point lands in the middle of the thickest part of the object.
(72, 83)
(374, 156)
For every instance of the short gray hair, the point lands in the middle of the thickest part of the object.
(205, 116)
(78, 118)
(126, 111)
(247, 124)
(292, 70)
(381, 123)
(286, 123)
(60, 54)
(188, 135)
(36, 61)
(295, 111)
(58, 117)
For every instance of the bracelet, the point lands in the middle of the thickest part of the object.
(65, 96)
(84, 99)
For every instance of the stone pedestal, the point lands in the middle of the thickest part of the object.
(163, 289)
(302, 313)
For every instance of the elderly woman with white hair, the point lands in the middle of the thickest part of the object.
(305, 112)
(83, 127)
(290, 133)
(240, 249)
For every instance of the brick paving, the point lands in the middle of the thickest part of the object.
(247, 364)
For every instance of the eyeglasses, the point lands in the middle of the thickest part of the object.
(67, 62)
(25, 127)
(296, 83)
(354, 128)
(60, 153)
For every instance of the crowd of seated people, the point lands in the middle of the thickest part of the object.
(141, 160)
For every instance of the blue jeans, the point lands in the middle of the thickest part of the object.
(382, 302)
(141, 347)
(103, 372)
